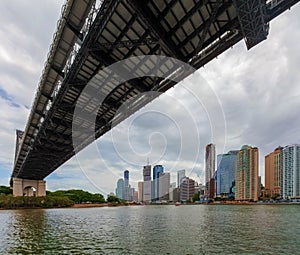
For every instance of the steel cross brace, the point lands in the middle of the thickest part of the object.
(251, 15)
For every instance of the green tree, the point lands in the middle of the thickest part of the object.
(112, 199)
(5, 190)
(195, 197)
(78, 196)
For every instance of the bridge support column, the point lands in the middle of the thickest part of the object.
(25, 187)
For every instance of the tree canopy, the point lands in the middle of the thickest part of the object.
(5, 190)
(78, 196)
(113, 199)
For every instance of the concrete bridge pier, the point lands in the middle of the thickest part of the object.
(25, 187)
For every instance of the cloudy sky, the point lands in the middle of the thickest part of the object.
(242, 97)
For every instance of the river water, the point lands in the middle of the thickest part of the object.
(186, 229)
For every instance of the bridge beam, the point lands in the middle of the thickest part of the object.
(140, 7)
(25, 187)
(252, 16)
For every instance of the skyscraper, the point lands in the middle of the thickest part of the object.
(246, 175)
(126, 178)
(120, 189)
(210, 158)
(290, 184)
(147, 183)
(273, 169)
(172, 187)
(140, 191)
(187, 189)
(156, 171)
(147, 173)
(126, 186)
(164, 185)
(180, 175)
(225, 174)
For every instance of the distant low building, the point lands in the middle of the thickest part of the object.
(135, 196)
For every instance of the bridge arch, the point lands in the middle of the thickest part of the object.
(25, 187)
(29, 191)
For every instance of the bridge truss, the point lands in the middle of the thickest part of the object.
(92, 35)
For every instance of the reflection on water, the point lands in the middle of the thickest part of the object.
(201, 229)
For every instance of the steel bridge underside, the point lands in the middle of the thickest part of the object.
(192, 31)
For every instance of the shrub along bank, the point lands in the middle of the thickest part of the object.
(10, 202)
(60, 198)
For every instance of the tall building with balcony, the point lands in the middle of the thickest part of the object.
(187, 189)
(157, 170)
(225, 174)
(246, 175)
(290, 184)
(210, 162)
(147, 186)
(273, 171)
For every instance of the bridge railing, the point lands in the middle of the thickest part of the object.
(84, 31)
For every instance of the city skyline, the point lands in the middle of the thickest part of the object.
(258, 91)
(236, 177)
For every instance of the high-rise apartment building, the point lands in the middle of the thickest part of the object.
(180, 175)
(290, 183)
(225, 174)
(187, 189)
(163, 186)
(157, 170)
(210, 158)
(140, 191)
(147, 186)
(127, 192)
(147, 173)
(273, 171)
(171, 189)
(126, 178)
(124, 190)
(120, 189)
(246, 176)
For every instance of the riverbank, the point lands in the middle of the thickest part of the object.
(89, 205)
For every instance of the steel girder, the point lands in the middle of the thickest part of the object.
(273, 10)
(156, 28)
(252, 16)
